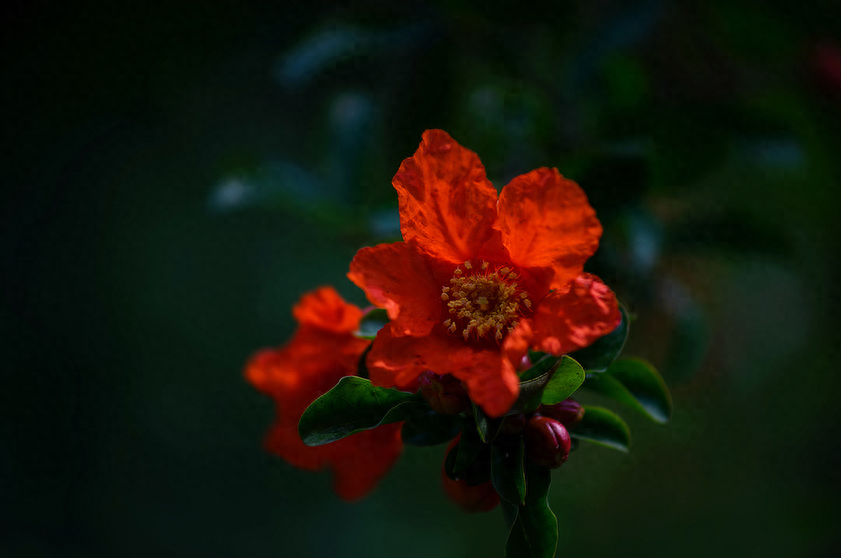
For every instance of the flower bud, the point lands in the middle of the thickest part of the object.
(444, 394)
(547, 441)
(568, 412)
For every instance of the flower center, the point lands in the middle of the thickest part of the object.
(483, 302)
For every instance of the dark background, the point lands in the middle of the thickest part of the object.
(177, 174)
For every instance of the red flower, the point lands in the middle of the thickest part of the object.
(478, 280)
(323, 350)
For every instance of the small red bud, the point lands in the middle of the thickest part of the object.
(568, 412)
(444, 394)
(547, 441)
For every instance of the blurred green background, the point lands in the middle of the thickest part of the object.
(177, 174)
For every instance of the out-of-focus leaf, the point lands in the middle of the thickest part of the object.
(603, 427)
(355, 404)
(431, 429)
(598, 356)
(635, 383)
(507, 471)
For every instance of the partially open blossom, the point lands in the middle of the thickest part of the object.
(547, 441)
(323, 350)
(478, 280)
(470, 498)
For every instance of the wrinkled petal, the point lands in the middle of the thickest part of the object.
(547, 222)
(447, 204)
(398, 278)
(569, 320)
(397, 360)
(361, 460)
(325, 309)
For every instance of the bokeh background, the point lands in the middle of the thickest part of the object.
(176, 174)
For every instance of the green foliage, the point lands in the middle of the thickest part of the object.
(635, 383)
(354, 404)
(534, 528)
(567, 378)
(431, 429)
(507, 471)
(603, 427)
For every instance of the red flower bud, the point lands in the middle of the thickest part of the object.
(445, 394)
(547, 441)
(480, 498)
(568, 412)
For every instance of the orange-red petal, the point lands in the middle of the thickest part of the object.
(397, 360)
(572, 319)
(322, 351)
(447, 204)
(547, 222)
(325, 309)
(361, 460)
(398, 278)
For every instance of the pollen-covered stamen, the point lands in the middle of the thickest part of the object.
(484, 303)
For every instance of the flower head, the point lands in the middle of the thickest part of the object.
(480, 279)
(322, 351)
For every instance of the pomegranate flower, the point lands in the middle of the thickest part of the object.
(478, 280)
(323, 350)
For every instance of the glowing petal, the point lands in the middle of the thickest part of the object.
(547, 222)
(574, 319)
(447, 204)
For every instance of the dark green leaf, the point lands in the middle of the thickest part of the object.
(487, 427)
(603, 427)
(531, 391)
(354, 404)
(598, 356)
(507, 473)
(635, 383)
(568, 377)
(541, 367)
(469, 460)
(534, 533)
(431, 429)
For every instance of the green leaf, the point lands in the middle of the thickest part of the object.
(431, 429)
(603, 427)
(487, 427)
(635, 383)
(599, 356)
(354, 404)
(507, 472)
(568, 377)
(534, 533)
(469, 459)
(540, 368)
(531, 391)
